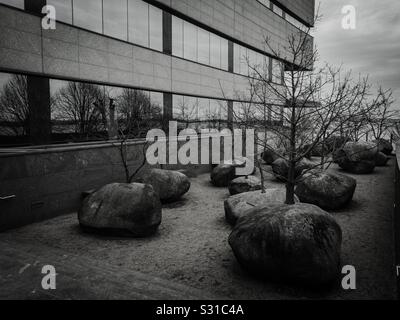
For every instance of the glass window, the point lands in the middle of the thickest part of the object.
(204, 109)
(177, 37)
(277, 71)
(178, 106)
(278, 10)
(156, 28)
(215, 110)
(224, 54)
(88, 15)
(191, 105)
(190, 41)
(203, 46)
(14, 3)
(63, 10)
(115, 18)
(138, 22)
(236, 58)
(243, 56)
(157, 102)
(215, 51)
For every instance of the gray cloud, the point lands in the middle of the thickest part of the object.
(373, 48)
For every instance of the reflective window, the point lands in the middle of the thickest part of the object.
(177, 37)
(14, 3)
(215, 52)
(63, 10)
(277, 10)
(204, 109)
(88, 15)
(156, 28)
(204, 46)
(224, 54)
(138, 22)
(190, 41)
(115, 18)
(277, 71)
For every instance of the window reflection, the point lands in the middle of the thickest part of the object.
(204, 46)
(138, 22)
(190, 41)
(88, 15)
(156, 28)
(115, 18)
(63, 10)
(215, 52)
(177, 37)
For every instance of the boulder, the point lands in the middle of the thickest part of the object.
(280, 168)
(169, 185)
(244, 184)
(269, 156)
(357, 157)
(381, 159)
(384, 146)
(122, 209)
(222, 175)
(238, 205)
(329, 191)
(298, 244)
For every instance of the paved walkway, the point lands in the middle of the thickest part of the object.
(190, 258)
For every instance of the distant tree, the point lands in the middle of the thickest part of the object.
(381, 117)
(14, 105)
(83, 104)
(136, 115)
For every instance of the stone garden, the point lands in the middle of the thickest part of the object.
(299, 247)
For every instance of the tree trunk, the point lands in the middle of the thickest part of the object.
(290, 184)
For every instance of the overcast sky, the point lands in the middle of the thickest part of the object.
(372, 48)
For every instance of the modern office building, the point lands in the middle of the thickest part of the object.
(63, 91)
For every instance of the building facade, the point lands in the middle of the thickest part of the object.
(184, 60)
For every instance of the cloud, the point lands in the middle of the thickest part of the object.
(373, 48)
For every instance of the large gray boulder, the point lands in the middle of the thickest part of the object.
(238, 206)
(244, 184)
(169, 185)
(357, 157)
(280, 168)
(269, 156)
(122, 209)
(381, 159)
(223, 174)
(329, 191)
(384, 146)
(296, 244)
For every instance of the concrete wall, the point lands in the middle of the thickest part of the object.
(72, 53)
(48, 183)
(303, 9)
(397, 216)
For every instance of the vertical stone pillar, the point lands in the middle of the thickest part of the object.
(39, 110)
(35, 6)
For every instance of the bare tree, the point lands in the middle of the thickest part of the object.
(136, 115)
(14, 105)
(84, 105)
(380, 118)
(317, 102)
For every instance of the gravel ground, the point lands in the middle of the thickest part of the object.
(191, 247)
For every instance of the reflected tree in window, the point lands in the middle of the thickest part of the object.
(82, 105)
(14, 106)
(137, 114)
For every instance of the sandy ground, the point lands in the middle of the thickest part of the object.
(191, 247)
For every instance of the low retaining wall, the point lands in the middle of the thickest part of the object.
(38, 184)
(397, 217)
